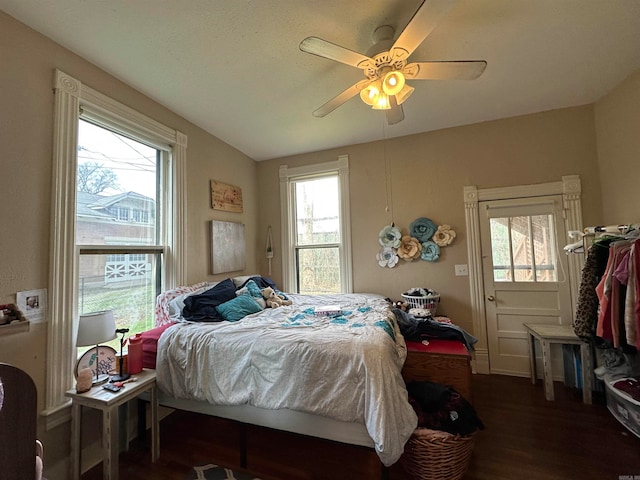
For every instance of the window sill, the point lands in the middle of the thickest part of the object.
(57, 416)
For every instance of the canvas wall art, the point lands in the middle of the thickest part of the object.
(228, 247)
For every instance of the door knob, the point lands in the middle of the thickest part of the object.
(491, 298)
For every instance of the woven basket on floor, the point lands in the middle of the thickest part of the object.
(436, 455)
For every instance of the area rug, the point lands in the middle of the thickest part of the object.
(215, 472)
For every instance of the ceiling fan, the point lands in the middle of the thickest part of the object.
(385, 63)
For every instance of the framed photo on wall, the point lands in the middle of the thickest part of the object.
(228, 247)
(33, 304)
(226, 197)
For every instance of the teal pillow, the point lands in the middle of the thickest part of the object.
(238, 308)
(251, 288)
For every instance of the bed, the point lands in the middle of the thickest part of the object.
(335, 376)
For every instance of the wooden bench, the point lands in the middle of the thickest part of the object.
(441, 361)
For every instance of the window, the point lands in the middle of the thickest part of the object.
(85, 268)
(523, 249)
(119, 180)
(316, 238)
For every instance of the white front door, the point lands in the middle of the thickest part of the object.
(525, 275)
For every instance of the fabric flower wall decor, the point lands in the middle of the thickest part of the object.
(444, 235)
(422, 229)
(409, 248)
(430, 251)
(390, 236)
(424, 241)
(387, 257)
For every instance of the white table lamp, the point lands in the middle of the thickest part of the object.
(94, 329)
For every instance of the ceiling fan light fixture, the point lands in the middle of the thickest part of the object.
(405, 93)
(393, 82)
(370, 94)
(382, 102)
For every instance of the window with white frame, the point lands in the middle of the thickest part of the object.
(87, 128)
(316, 228)
(119, 180)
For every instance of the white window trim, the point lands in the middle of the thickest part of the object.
(570, 188)
(287, 214)
(70, 95)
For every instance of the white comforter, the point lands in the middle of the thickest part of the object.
(345, 367)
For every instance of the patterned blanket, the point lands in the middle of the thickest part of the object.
(345, 366)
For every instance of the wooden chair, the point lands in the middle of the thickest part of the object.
(18, 416)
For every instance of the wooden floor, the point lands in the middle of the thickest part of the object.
(526, 437)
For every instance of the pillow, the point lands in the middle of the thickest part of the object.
(202, 307)
(238, 308)
(240, 281)
(252, 289)
(261, 282)
(177, 304)
(162, 312)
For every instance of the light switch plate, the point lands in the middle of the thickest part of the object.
(462, 270)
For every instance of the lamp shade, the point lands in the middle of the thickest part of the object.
(382, 102)
(95, 328)
(404, 94)
(370, 94)
(393, 82)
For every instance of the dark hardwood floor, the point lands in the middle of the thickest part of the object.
(526, 437)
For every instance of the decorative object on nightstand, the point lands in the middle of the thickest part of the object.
(135, 354)
(84, 380)
(122, 375)
(93, 329)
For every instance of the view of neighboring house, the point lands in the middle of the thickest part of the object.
(125, 218)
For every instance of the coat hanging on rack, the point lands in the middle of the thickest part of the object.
(599, 317)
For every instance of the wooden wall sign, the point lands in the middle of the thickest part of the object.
(226, 197)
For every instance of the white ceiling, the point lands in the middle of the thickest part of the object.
(233, 67)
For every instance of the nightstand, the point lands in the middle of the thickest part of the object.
(441, 361)
(108, 402)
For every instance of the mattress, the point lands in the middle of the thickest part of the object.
(289, 368)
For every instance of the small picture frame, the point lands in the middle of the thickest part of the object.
(33, 304)
(226, 197)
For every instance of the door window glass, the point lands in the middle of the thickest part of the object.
(523, 249)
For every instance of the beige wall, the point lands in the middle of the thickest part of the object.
(618, 139)
(426, 174)
(26, 121)
(421, 175)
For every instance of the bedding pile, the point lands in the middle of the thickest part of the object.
(344, 366)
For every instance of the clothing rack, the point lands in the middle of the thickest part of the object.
(619, 229)
(581, 246)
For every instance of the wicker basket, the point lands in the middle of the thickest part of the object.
(436, 455)
(426, 302)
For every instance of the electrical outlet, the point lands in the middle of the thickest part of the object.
(462, 270)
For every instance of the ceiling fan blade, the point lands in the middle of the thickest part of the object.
(452, 70)
(341, 98)
(421, 24)
(322, 48)
(395, 114)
